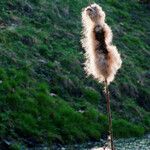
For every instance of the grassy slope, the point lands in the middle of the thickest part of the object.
(40, 53)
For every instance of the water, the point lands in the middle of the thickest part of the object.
(133, 144)
(120, 144)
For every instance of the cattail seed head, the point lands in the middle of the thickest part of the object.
(102, 58)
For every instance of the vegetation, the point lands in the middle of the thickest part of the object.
(45, 96)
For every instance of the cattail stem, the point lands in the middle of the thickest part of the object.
(109, 114)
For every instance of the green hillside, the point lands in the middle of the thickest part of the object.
(45, 95)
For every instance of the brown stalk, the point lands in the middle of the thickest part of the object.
(109, 114)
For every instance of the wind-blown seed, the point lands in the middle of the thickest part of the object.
(102, 58)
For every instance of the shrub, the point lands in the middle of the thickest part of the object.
(91, 95)
(123, 128)
(25, 124)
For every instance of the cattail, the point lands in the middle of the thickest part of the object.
(102, 58)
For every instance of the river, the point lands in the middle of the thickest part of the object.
(120, 144)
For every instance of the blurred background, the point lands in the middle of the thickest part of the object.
(45, 95)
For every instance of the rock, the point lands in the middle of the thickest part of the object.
(81, 111)
(53, 94)
(27, 8)
(27, 40)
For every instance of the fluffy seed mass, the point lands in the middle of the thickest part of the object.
(102, 58)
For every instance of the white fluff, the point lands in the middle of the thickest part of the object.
(101, 66)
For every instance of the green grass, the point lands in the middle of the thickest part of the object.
(40, 54)
(123, 128)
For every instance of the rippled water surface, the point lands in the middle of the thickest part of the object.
(133, 144)
(120, 144)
